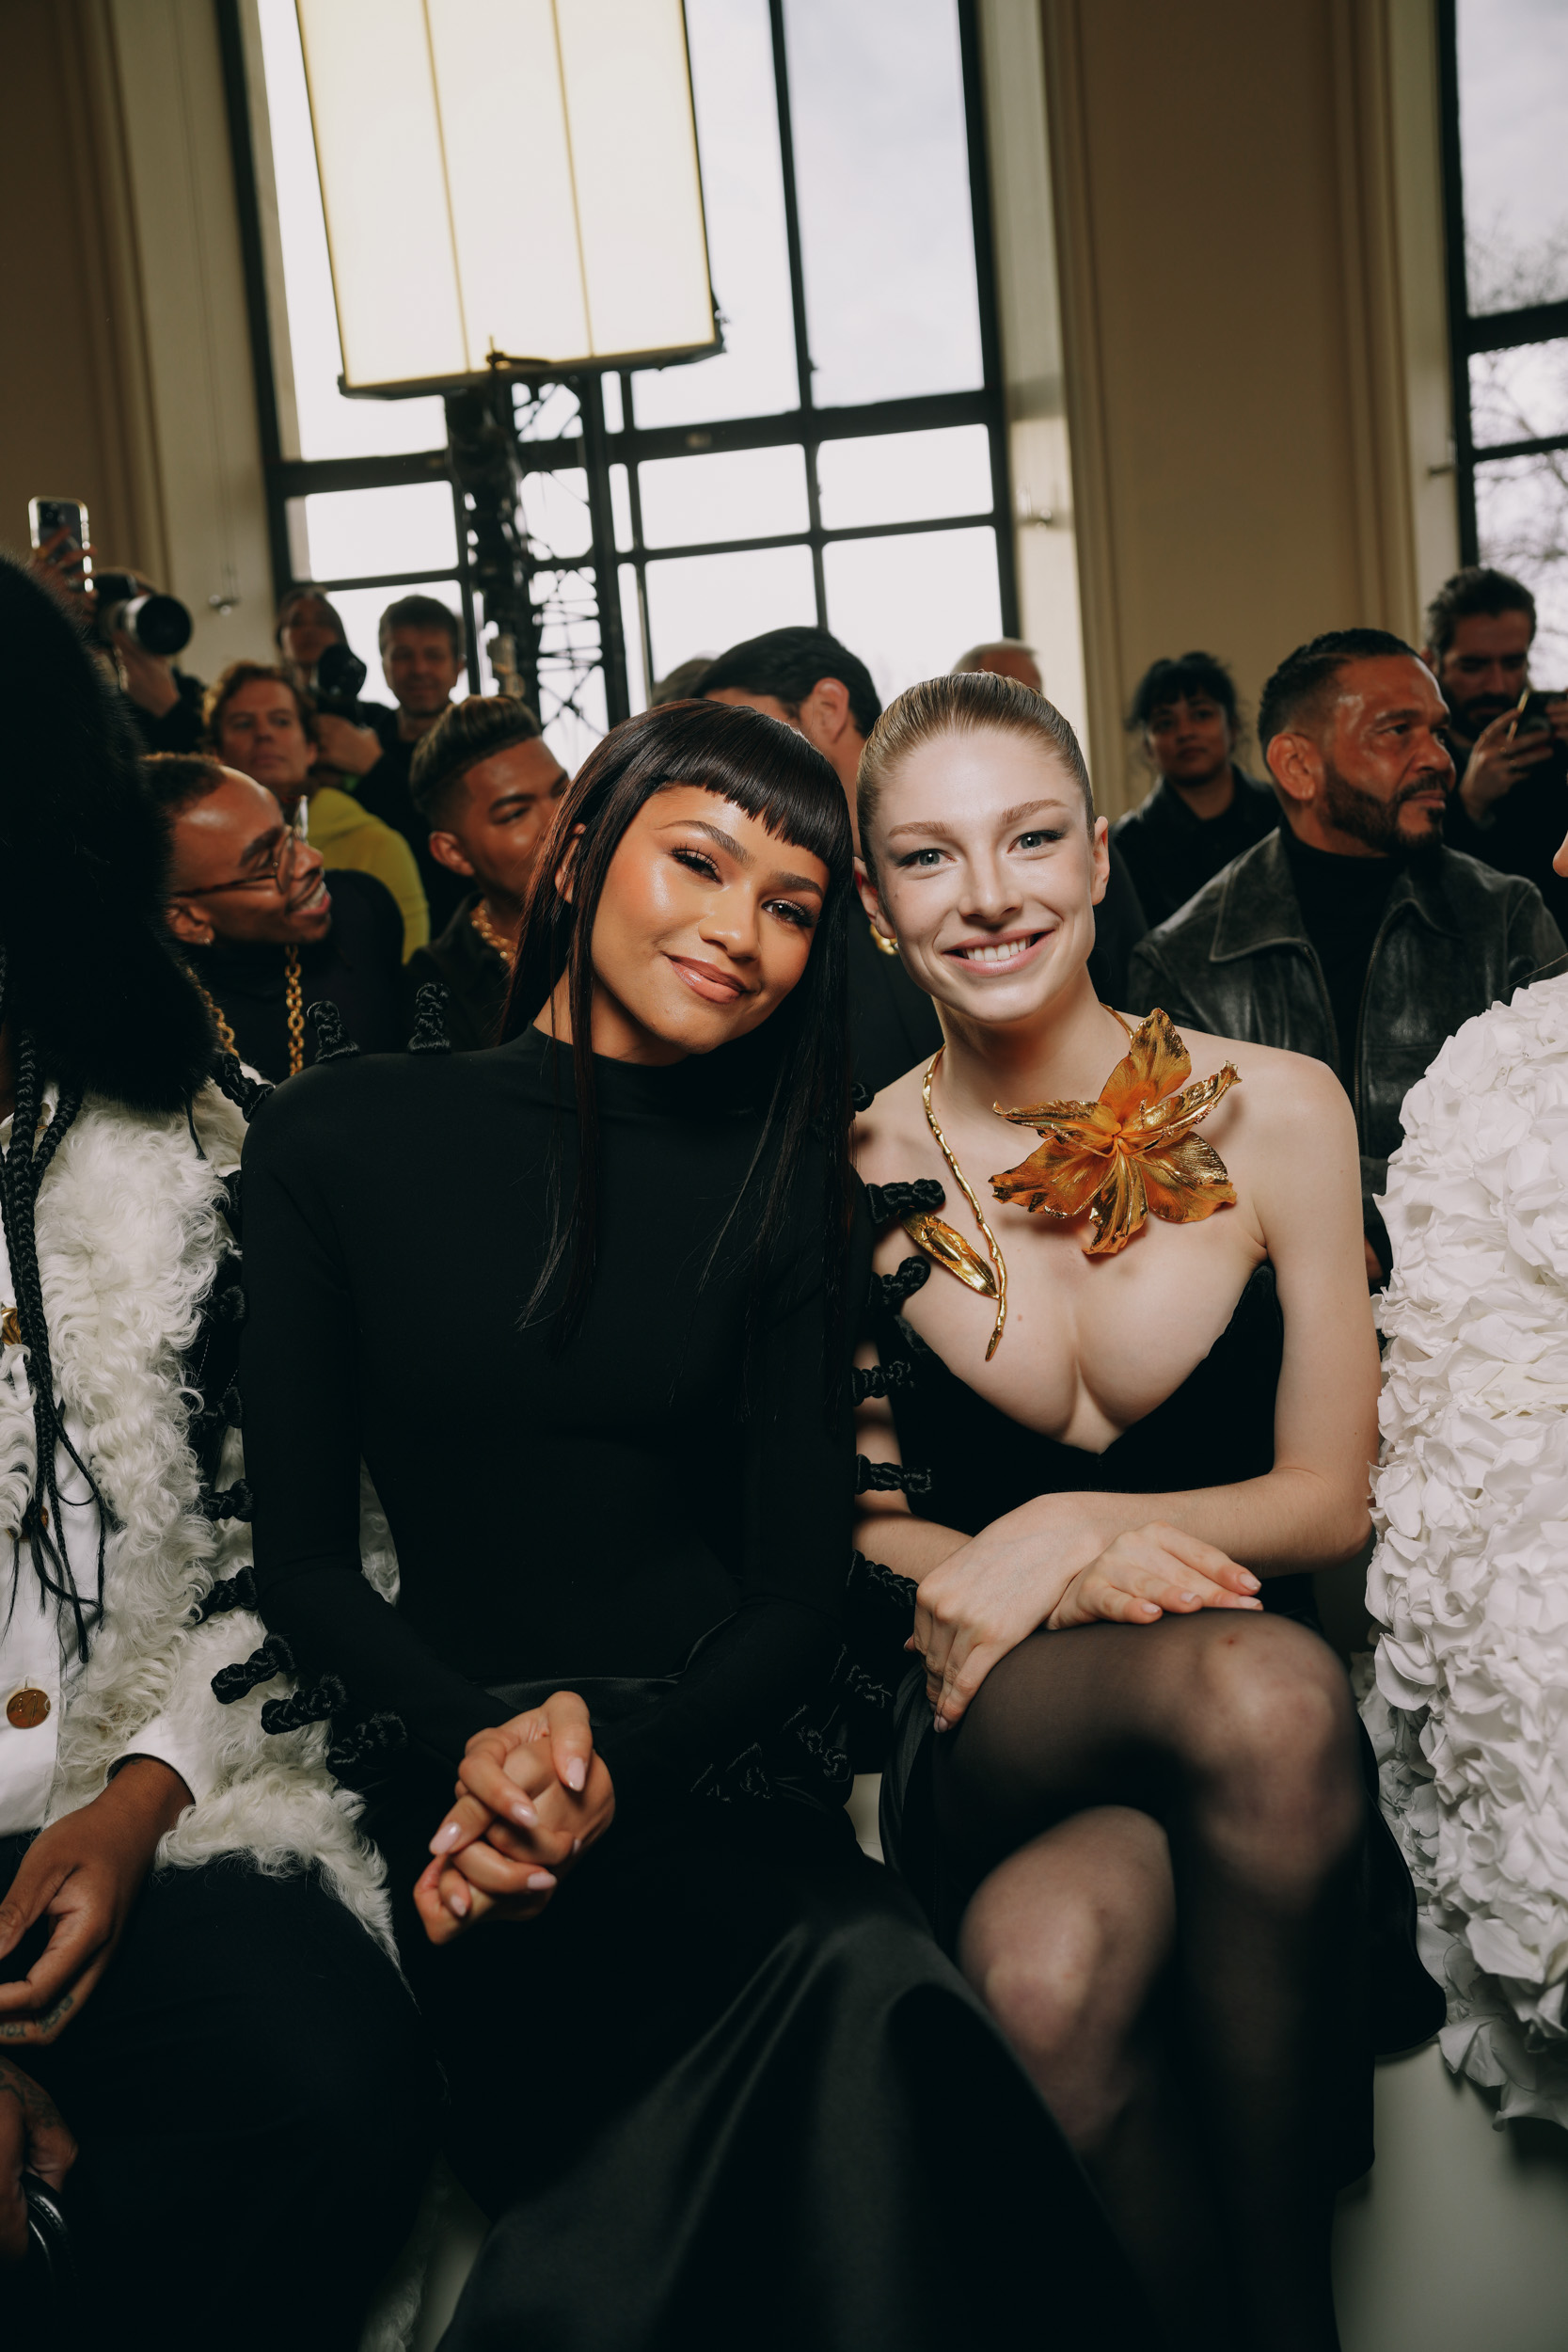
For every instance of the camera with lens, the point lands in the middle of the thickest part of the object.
(339, 677)
(159, 624)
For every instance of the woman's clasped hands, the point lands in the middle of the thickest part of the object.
(1049, 1565)
(531, 1797)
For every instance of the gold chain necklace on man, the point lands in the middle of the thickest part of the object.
(504, 948)
(293, 1002)
(1131, 1153)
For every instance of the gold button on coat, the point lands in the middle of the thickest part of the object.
(26, 1709)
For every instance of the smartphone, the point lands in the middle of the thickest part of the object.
(1530, 718)
(46, 517)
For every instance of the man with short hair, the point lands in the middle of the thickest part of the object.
(1352, 934)
(1204, 809)
(1005, 656)
(805, 678)
(259, 722)
(423, 657)
(1512, 765)
(487, 785)
(261, 929)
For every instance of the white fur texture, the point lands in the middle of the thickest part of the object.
(130, 1227)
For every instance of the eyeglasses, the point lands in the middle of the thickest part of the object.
(280, 873)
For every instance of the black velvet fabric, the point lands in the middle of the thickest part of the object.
(257, 2106)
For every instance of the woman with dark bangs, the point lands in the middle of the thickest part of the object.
(580, 1302)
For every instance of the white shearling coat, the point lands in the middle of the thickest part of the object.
(130, 1227)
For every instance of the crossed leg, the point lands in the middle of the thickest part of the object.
(1158, 1832)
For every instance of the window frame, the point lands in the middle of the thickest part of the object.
(1470, 335)
(805, 426)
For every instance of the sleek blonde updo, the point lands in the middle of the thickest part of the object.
(960, 703)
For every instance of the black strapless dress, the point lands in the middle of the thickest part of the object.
(967, 1464)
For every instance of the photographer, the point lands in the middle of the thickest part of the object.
(422, 661)
(263, 724)
(164, 704)
(1512, 764)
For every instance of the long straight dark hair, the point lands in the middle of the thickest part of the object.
(773, 775)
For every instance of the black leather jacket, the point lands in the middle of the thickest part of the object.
(1237, 962)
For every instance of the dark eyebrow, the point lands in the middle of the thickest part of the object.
(1406, 710)
(1008, 816)
(743, 857)
(264, 845)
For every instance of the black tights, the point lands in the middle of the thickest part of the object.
(1151, 1836)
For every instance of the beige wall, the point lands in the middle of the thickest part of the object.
(1249, 249)
(129, 380)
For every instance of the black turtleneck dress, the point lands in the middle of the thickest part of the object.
(719, 2092)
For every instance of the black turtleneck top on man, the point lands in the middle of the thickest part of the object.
(1343, 900)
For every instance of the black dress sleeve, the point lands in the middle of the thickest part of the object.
(298, 1380)
(779, 1646)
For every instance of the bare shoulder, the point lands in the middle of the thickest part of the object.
(891, 1142)
(1284, 1093)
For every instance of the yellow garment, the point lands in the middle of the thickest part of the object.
(347, 835)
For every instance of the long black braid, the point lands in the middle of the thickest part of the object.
(22, 1169)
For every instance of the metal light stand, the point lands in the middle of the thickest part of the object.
(486, 467)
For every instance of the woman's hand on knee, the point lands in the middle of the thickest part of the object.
(1148, 1571)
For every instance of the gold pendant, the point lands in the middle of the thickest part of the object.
(1133, 1153)
(949, 1250)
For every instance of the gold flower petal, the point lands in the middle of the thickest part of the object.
(1188, 1182)
(949, 1250)
(1061, 1177)
(1154, 1063)
(1118, 1208)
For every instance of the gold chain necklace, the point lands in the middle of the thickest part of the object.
(294, 1000)
(504, 948)
(938, 1239)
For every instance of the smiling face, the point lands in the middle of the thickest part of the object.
(306, 631)
(986, 872)
(423, 667)
(233, 835)
(261, 733)
(703, 928)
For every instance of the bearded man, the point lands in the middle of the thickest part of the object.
(1352, 933)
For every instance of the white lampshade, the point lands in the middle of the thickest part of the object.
(516, 176)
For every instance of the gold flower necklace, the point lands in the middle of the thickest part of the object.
(1132, 1151)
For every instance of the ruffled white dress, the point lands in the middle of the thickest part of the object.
(1469, 1709)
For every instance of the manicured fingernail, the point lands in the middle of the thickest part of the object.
(457, 1904)
(521, 1811)
(577, 1845)
(538, 1880)
(577, 1774)
(1192, 1598)
(942, 1723)
(446, 1837)
(1250, 1580)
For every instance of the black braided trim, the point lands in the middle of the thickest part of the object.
(331, 1040)
(274, 1657)
(233, 1202)
(431, 1000)
(886, 1478)
(231, 1592)
(304, 1707)
(887, 1201)
(227, 1303)
(891, 1289)
(861, 1098)
(227, 1502)
(378, 1734)
(877, 1380)
(872, 1581)
(246, 1093)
